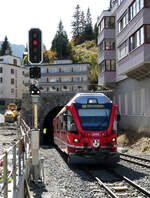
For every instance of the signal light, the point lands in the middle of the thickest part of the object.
(35, 72)
(35, 42)
(34, 90)
(35, 55)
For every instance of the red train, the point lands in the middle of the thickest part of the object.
(86, 129)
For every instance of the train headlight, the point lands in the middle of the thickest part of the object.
(96, 143)
(75, 140)
(113, 140)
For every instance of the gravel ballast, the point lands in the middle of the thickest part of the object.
(62, 180)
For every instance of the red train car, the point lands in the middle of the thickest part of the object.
(86, 129)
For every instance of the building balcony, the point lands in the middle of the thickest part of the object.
(64, 83)
(107, 78)
(106, 55)
(106, 34)
(136, 64)
(65, 73)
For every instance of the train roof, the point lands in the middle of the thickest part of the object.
(84, 98)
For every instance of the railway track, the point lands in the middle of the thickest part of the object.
(116, 185)
(135, 160)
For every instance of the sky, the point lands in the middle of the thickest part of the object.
(18, 17)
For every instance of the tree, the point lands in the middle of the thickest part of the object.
(5, 48)
(60, 42)
(48, 56)
(89, 35)
(77, 25)
(95, 32)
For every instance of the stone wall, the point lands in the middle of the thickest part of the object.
(47, 102)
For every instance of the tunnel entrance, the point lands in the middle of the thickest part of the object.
(48, 137)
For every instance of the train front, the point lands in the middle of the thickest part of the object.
(96, 141)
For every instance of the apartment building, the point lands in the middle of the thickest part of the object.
(62, 76)
(124, 59)
(11, 80)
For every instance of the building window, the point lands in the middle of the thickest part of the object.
(135, 7)
(66, 70)
(101, 25)
(77, 79)
(107, 45)
(43, 71)
(102, 67)
(107, 22)
(122, 50)
(1, 70)
(15, 61)
(119, 2)
(53, 70)
(136, 39)
(123, 21)
(147, 33)
(80, 69)
(108, 65)
(147, 3)
(1, 80)
(12, 91)
(12, 81)
(12, 71)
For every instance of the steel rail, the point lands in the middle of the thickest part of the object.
(134, 162)
(144, 191)
(111, 193)
(136, 157)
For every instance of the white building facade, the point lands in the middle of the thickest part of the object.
(11, 80)
(62, 76)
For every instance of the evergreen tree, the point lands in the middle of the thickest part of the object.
(89, 35)
(60, 42)
(83, 26)
(5, 47)
(77, 25)
(95, 32)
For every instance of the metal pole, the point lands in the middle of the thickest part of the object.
(14, 167)
(35, 140)
(5, 176)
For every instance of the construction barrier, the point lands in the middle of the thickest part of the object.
(15, 165)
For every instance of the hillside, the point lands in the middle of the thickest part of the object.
(87, 52)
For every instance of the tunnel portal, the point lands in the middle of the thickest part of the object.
(48, 137)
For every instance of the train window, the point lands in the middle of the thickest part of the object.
(71, 126)
(94, 119)
(114, 129)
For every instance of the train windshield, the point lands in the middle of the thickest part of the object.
(94, 119)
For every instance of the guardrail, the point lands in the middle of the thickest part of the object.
(14, 161)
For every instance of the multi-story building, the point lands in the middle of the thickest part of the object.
(11, 80)
(63, 75)
(124, 59)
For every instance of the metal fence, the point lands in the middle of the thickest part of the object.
(14, 161)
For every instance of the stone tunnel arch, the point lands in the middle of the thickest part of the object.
(48, 138)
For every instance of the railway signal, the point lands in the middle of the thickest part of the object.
(35, 55)
(34, 90)
(35, 72)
